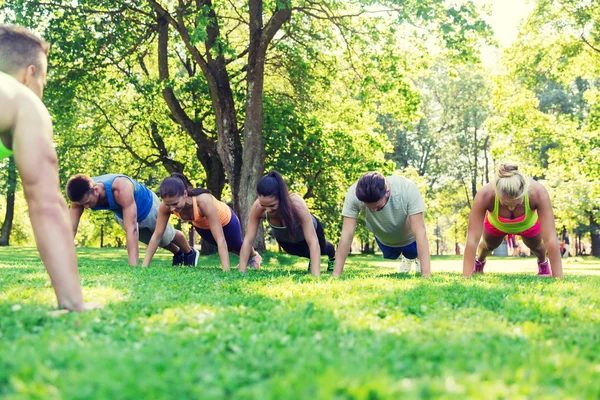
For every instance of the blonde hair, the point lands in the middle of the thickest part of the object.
(510, 182)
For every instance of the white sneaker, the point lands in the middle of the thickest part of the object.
(417, 265)
(406, 265)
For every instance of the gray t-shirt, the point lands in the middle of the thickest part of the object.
(390, 225)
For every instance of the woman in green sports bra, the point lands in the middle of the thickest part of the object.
(512, 204)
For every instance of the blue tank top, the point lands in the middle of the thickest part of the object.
(141, 194)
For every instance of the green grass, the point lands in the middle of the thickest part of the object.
(177, 333)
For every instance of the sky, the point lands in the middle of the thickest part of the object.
(505, 19)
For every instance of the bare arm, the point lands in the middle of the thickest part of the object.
(37, 163)
(214, 222)
(310, 235)
(548, 230)
(417, 224)
(123, 194)
(251, 229)
(161, 224)
(75, 212)
(348, 228)
(474, 232)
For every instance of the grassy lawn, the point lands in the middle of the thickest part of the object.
(177, 333)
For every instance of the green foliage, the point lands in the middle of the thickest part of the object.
(335, 65)
(547, 105)
(277, 333)
(323, 156)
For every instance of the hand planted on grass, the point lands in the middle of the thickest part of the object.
(86, 307)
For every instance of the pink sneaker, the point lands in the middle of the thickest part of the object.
(544, 269)
(255, 261)
(479, 266)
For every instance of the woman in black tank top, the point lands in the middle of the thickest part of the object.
(296, 230)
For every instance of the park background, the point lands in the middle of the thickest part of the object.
(424, 89)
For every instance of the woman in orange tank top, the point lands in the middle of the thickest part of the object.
(213, 220)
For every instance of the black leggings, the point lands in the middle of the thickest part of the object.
(301, 249)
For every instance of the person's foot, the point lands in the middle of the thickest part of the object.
(406, 265)
(178, 257)
(544, 269)
(417, 265)
(478, 269)
(191, 258)
(255, 261)
(330, 264)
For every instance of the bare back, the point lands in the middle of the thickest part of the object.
(22, 113)
(8, 100)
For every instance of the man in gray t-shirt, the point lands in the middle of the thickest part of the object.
(393, 209)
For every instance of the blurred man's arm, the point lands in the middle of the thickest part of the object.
(37, 163)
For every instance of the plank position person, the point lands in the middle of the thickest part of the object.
(393, 209)
(295, 229)
(26, 133)
(135, 208)
(512, 204)
(214, 220)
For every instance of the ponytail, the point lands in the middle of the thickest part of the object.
(177, 184)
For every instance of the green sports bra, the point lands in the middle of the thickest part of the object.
(517, 225)
(4, 152)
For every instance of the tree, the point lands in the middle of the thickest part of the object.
(550, 108)
(210, 61)
(10, 188)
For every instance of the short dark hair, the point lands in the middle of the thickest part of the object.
(19, 48)
(78, 186)
(370, 187)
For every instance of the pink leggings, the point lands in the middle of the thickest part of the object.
(492, 230)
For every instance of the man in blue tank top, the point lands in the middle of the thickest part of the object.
(136, 211)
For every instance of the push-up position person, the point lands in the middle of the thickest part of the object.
(135, 208)
(512, 204)
(26, 133)
(393, 209)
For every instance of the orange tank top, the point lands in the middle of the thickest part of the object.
(202, 221)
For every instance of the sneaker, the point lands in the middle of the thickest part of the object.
(255, 261)
(478, 269)
(417, 265)
(330, 264)
(544, 269)
(178, 258)
(406, 265)
(191, 258)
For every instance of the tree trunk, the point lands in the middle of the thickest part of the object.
(101, 235)
(11, 186)
(595, 236)
(254, 148)
(475, 165)
(487, 162)
(206, 151)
